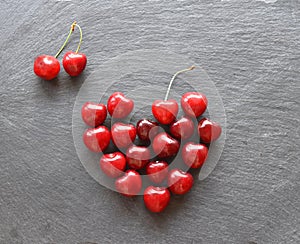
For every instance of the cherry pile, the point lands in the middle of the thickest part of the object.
(164, 144)
(47, 67)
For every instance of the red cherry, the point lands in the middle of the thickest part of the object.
(93, 114)
(156, 199)
(194, 155)
(180, 182)
(46, 67)
(165, 111)
(157, 171)
(97, 139)
(113, 164)
(137, 157)
(194, 103)
(208, 130)
(74, 63)
(119, 106)
(123, 134)
(182, 128)
(130, 184)
(146, 129)
(164, 145)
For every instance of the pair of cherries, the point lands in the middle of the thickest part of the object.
(164, 145)
(47, 67)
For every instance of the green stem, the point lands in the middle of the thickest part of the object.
(173, 78)
(80, 41)
(67, 39)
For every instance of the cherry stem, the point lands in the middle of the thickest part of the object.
(68, 37)
(173, 78)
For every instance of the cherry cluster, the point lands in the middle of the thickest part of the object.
(47, 67)
(126, 168)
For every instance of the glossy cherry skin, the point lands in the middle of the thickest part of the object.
(180, 182)
(208, 130)
(194, 155)
(157, 171)
(46, 67)
(130, 184)
(137, 157)
(113, 164)
(119, 106)
(165, 111)
(164, 145)
(194, 103)
(97, 139)
(123, 134)
(156, 199)
(147, 129)
(93, 114)
(182, 128)
(74, 63)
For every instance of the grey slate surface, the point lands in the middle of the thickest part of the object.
(250, 49)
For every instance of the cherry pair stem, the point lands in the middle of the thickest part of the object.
(74, 24)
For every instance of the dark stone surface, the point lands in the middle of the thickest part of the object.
(250, 49)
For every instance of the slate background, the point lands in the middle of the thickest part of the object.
(250, 49)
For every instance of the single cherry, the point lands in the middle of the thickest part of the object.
(165, 111)
(74, 63)
(194, 103)
(137, 157)
(119, 106)
(156, 199)
(113, 164)
(180, 182)
(130, 184)
(147, 129)
(164, 145)
(97, 139)
(194, 155)
(182, 128)
(46, 67)
(123, 134)
(93, 114)
(157, 171)
(208, 130)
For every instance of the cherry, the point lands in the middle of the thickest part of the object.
(119, 106)
(46, 67)
(157, 171)
(146, 129)
(93, 114)
(156, 199)
(74, 63)
(123, 134)
(137, 157)
(208, 130)
(180, 182)
(97, 139)
(113, 164)
(130, 184)
(165, 111)
(164, 145)
(194, 103)
(194, 155)
(182, 128)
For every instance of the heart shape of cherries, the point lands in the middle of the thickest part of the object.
(126, 168)
(47, 67)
